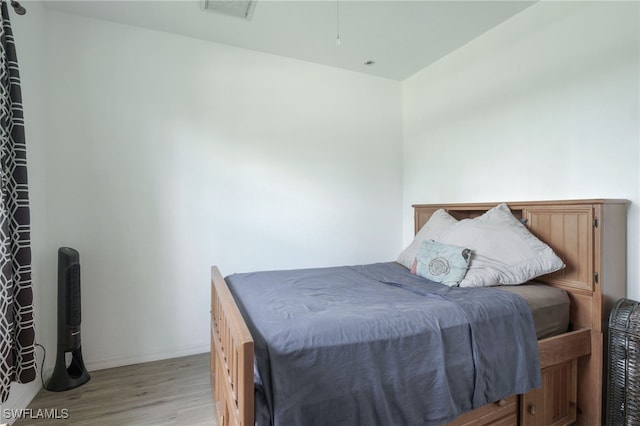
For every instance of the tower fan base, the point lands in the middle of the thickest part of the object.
(65, 378)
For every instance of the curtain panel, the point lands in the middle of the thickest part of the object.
(17, 332)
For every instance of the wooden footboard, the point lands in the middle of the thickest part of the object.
(231, 357)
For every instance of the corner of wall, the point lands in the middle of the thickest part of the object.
(19, 398)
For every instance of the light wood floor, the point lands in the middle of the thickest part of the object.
(169, 392)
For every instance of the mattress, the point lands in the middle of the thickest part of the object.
(549, 306)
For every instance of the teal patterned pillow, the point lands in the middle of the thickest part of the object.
(442, 263)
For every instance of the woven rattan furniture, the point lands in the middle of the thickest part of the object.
(623, 396)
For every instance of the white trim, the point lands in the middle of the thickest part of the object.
(137, 359)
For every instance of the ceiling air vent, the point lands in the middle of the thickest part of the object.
(238, 8)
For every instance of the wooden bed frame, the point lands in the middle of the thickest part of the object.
(590, 237)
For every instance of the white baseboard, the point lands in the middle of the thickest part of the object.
(111, 362)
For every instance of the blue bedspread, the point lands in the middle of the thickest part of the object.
(375, 345)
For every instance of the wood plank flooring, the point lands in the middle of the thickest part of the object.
(169, 392)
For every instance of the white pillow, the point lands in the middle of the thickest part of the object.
(504, 252)
(439, 221)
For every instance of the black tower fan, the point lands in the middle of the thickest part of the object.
(74, 374)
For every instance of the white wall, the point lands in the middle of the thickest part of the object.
(543, 106)
(166, 155)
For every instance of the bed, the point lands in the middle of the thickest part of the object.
(589, 236)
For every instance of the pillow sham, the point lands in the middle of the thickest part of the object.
(504, 252)
(439, 222)
(442, 263)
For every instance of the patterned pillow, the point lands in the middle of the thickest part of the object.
(442, 263)
(439, 222)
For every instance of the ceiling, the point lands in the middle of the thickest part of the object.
(401, 37)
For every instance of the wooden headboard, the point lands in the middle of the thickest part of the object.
(590, 237)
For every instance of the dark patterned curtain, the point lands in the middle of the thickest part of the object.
(17, 333)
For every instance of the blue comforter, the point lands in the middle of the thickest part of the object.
(376, 345)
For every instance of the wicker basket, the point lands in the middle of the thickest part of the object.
(623, 393)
